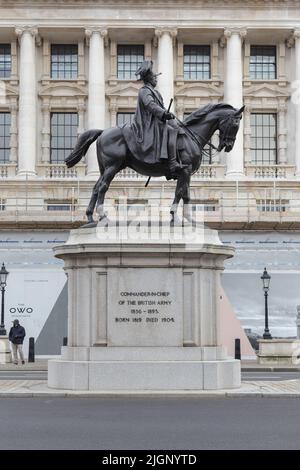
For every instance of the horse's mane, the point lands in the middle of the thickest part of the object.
(202, 112)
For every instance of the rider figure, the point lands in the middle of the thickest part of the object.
(152, 136)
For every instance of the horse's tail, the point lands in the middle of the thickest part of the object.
(84, 141)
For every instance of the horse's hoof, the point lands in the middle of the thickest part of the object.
(90, 224)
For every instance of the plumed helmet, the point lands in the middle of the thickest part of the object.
(144, 70)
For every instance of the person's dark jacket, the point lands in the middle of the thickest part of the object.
(17, 334)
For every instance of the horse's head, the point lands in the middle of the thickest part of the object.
(228, 127)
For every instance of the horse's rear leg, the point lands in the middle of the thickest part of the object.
(92, 203)
(104, 183)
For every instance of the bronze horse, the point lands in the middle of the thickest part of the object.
(113, 154)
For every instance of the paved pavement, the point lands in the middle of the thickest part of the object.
(21, 374)
(260, 388)
(267, 375)
(147, 423)
(39, 364)
(30, 380)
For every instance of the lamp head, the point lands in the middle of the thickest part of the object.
(3, 276)
(266, 280)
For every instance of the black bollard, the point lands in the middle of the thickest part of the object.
(65, 341)
(237, 348)
(31, 350)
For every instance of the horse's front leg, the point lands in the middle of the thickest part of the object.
(187, 210)
(92, 204)
(181, 191)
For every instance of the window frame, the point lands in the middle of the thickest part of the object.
(257, 161)
(124, 114)
(195, 63)
(133, 65)
(73, 138)
(253, 75)
(6, 138)
(8, 70)
(64, 62)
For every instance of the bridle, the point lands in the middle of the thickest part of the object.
(201, 141)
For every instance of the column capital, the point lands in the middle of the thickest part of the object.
(290, 42)
(230, 31)
(103, 32)
(33, 30)
(160, 31)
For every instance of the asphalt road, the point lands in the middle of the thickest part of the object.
(145, 423)
(42, 375)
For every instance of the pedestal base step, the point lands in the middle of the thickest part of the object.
(5, 354)
(144, 375)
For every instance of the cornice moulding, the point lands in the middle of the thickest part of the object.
(147, 3)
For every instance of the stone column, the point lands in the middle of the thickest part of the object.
(297, 100)
(27, 102)
(96, 91)
(165, 65)
(233, 94)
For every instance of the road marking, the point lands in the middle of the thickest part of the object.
(262, 377)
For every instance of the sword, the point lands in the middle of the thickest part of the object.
(170, 104)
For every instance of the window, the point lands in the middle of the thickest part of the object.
(130, 58)
(264, 139)
(63, 135)
(196, 63)
(4, 137)
(2, 204)
(124, 118)
(64, 61)
(272, 205)
(206, 205)
(60, 205)
(263, 62)
(5, 60)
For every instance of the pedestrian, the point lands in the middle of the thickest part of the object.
(16, 337)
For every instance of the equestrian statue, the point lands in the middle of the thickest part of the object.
(156, 143)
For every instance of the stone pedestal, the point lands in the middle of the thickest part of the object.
(143, 311)
(5, 354)
(279, 352)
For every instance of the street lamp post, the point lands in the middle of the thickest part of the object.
(3, 277)
(266, 285)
